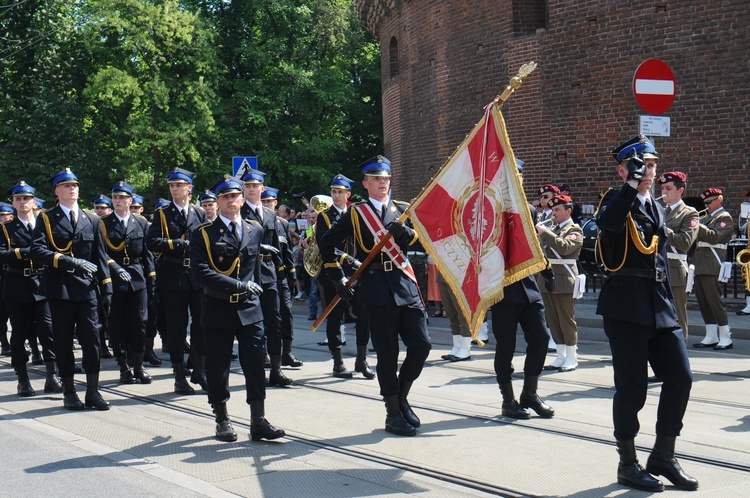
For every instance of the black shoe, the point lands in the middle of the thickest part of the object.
(362, 367)
(151, 358)
(225, 431)
(552, 350)
(142, 376)
(126, 377)
(655, 379)
(662, 462)
(701, 345)
(456, 358)
(743, 313)
(262, 429)
(341, 372)
(312, 317)
(36, 358)
(278, 379)
(634, 476)
(288, 360)
(513, 410)
(94, 400)
(722, 348)
(104, 352)
(71, 401)
(234, 355)
(323, 343)
(24, 388)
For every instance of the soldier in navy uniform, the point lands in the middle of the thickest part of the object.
(640, 319)
(68, 241)
(6, 215)
(170, 235)
(207, 201)
(389, 291)
(269, 199)
(270, 258)
(341, 190)
(132, 267)
(29, 310)
(103, 207)
(225, 255)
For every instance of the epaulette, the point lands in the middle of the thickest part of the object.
(92, 213)
(199, 208)
(604, 195)
(402, 203)
(140, 217)
(6, 222)
(359, 203)
(163, 207)
(247, 220)
(204, 225)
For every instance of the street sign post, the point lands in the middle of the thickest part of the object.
(654, 86)
(243, 164)
(654, 126)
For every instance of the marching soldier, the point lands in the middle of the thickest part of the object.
(389, 291)
(714, 233)
(132, 263)
(103, 207)
(269, 199)
(341, 190)
(207, 201)
(270, 259)
(29, 310)
(682, 230)
(226, 260)
(170, 235)
(6, 215)
(562, 245)
(136, 205)
(640, 320)
(68, 241)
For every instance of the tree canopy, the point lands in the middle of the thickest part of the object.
(129, 89)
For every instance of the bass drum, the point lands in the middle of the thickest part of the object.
(588, 257)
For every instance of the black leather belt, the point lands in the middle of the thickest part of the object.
(128, 261)
(656, 274)
(180, 261)
(381, 265)
(232, 298)
(26, 272)
(266, 257)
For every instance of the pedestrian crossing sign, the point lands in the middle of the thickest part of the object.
(243, 164)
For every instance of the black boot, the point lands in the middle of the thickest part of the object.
(276, 377)
(394, 421)
(662, 462)
(260, 428)
(93, 399)
(510, 407)
(360, 364)
(287, 358)
(149, 354)
(224, 429)
(24, 385)
(126, 375)
(52, 384)
(403, 391)
(71, 401)
(629, 471)
(181, 385)
(199, 371)
(530, 399)
(138, 371)
(339, 370)
(36, 357)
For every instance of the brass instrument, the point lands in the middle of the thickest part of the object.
(312, 261)
(743, 259)
(546, 223)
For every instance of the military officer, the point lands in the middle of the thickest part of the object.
(389, 290)
(269, 199)
(68, 241)
(640, 320)
(545, 193)
(170, 235)
(136, 205)
(207, 201)
(270, 258)
(6, 214)
(714, 233)
(29, 310)
(102, 205)
(341, 189)
(225, 255)
(132, 263)
(562, 244)
(682, 230)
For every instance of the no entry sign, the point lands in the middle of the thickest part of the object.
(654, 86)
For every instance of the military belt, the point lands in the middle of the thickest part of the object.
(706, 244)
(128, 261)
(232, 298)
(384, 265)
(656, 274)
(26, 272)
(674, 255)
(266, 257)
(180, 261)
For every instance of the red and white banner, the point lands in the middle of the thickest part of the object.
(474, 220)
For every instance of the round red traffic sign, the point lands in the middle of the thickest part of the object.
(654, 86)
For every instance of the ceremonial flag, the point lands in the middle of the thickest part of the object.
(474, 220)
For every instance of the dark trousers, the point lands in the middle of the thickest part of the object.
(336, 317)
(152, 313)
(127, 320)
(176, 307)
(29, 320)
(251, 352)
(387, 324)
(505, 321)
(4, 325)
(633, 347)
(286, 325)
(269, 303)
(82, 319)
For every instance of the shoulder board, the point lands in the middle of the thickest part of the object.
(162, 208)
(92, 213)
(604, 196)
(253, 222)
(204, 225)
(199, 208)
(359, 203)
(690, 208)
(49, 209)
(402, 203)
(140, 217)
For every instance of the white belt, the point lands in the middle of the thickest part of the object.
(716, 246)
(674, 255)
(562, 261)
(416, 253)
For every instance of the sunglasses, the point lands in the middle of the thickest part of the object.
(708, 202)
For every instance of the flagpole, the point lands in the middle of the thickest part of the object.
(515, 82)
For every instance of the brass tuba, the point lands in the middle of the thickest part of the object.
(743, 259)
(311, 259)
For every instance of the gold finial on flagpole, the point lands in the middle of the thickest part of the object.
(515, 82)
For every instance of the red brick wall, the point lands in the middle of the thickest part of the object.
(454, 57)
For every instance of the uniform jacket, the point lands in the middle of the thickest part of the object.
(270, 237)
(285, 242)
(683, 223)
(715, 229)
(631, 298)
(170, 235)
(126, 248)
(55, 243)
(377, 286)
(567, 241)
(220, 263)
(325, 221)
(15, 254)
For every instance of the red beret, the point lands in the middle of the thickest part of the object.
(548, 188)
(710, 192)
(673, 176)
(559, 199)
